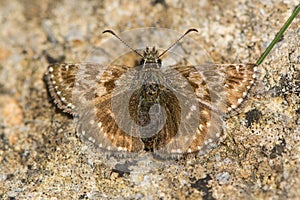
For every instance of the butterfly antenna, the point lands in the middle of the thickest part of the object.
(187, 32)
(114, 34)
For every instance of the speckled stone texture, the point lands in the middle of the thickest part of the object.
(40, 155)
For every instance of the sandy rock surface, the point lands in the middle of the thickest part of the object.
(40, 155)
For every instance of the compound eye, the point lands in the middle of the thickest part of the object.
(159, 61)
(142, 61)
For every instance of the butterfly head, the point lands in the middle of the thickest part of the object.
(150, 56)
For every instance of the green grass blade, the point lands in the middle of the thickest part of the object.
(279, 35)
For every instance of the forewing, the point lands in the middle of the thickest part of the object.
(60, 79)
(223, 87)
(240, 82)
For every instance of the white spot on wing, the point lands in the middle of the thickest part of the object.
(240, 100)
(193, 108)
(233, 106)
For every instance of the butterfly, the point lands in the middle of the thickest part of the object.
(168, 111)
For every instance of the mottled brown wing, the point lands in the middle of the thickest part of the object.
(240, 82)
(96, 120)
(220, 90)
(60, 79)
(223, 87)
(201, 125)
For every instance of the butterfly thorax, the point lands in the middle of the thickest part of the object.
(152, 83)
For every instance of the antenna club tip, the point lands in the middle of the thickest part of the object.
(108, 31)
(191, 30)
